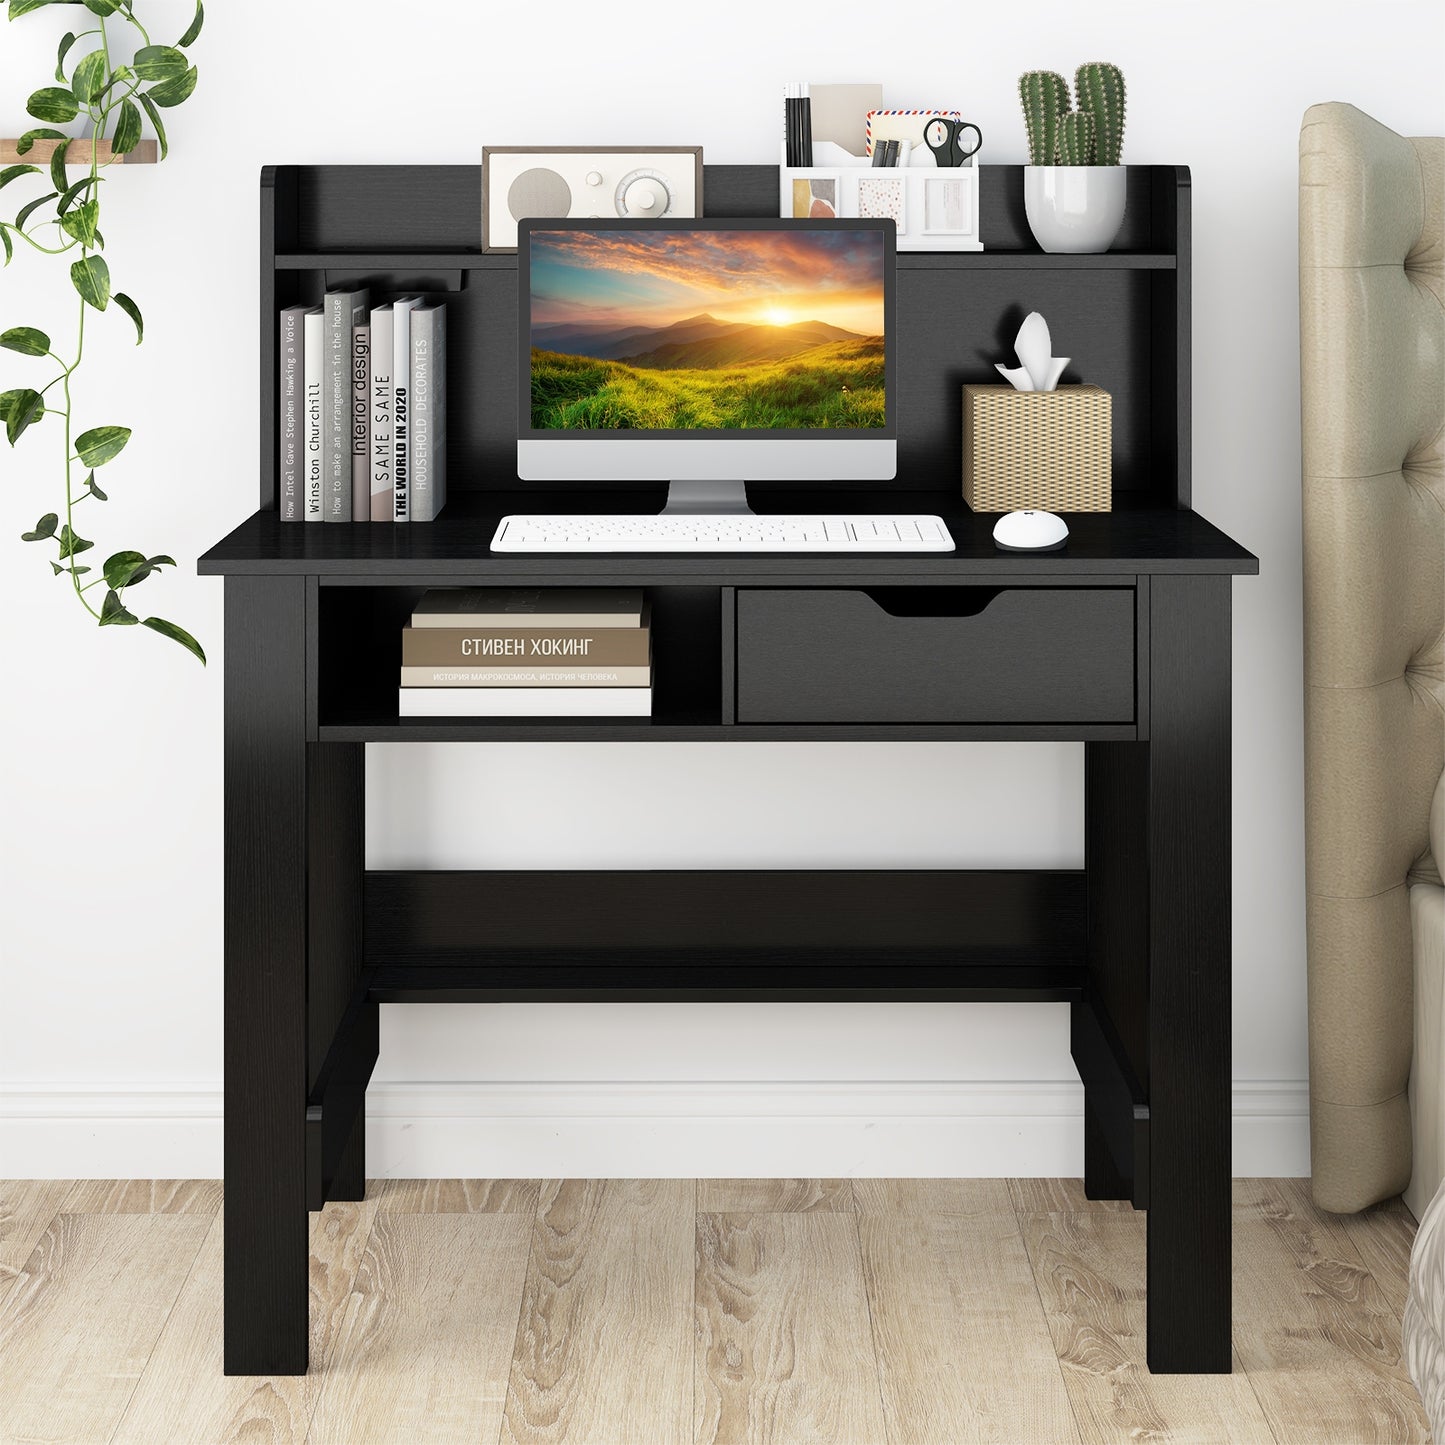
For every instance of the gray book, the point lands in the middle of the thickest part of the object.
(361, 423)
(343, 310)
(401, 310)
(428, 412)
(382, 500)
(313, 434)
(290, 411)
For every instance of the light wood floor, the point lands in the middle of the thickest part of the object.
(656, 1312)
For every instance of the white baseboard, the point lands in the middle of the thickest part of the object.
(651, 1129)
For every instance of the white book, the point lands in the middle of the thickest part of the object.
(382, 501)
(436, 677)
(428, 412)
(401, 406)
(525, 701)
(291, 406)
(313, 362)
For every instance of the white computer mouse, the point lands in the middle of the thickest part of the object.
(1030, 532)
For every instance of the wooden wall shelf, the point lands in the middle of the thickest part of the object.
(146, 153)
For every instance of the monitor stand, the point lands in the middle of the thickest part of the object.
(691, 498)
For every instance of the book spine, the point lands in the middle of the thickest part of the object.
(526, 676)
(401, 410)
(291, 408)
(314, 379)
(419, 438)
(361, 422)
(524, 701)
(460, 647)
(381, 345)
(344, 310)
(428, 413)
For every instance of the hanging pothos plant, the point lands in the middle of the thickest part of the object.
(108, 98)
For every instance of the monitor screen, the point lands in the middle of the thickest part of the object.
(697, 328)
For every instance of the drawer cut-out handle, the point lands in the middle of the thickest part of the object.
(933, 601)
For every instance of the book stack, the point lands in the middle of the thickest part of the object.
(362, 413)
(528, 652)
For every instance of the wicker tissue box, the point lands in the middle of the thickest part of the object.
(1043, 450)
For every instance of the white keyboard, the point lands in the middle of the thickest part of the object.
(683, 533)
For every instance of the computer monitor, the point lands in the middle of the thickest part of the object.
(706, 353)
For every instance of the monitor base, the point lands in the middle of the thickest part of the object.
(714, 497)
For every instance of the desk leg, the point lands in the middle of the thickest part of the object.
(265, 976)
(1189, 975)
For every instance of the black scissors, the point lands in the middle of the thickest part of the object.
(945, 138)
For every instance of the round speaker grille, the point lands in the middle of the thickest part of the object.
(539, 192)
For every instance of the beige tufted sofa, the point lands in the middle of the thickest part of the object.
(1372, 352)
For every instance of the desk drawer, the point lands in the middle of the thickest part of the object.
(936, 654)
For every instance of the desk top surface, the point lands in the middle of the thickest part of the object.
(1125, 541)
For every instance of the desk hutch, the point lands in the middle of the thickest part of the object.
(1121, 641)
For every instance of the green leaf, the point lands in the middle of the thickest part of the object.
(58, 177)
(44, 528)
(100, 7)
(66, 41)
(89, 77)
(133, 311)
(121, 567)
(155, 116)
(94, 490)
(160, 62)
(176, 634)
(68, 195)
(8, 244)
(194, 28)
(41, 132)
(24, 7)
(11, 173)
(173, 92)
(20, 408)
(127, 129)
(27, 211)
(113, 613)
(55, 103)
(80, 222)
(71, 542)
(27, 340)
(91, 277)
(138, 573)
(56, 568)
(98, 445)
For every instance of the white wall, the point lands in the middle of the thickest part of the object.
(110, 788)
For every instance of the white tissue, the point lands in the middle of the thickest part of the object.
(1039, 369)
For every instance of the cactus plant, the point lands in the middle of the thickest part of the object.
(1044, 95)
(1076, 139)
(1099, 87)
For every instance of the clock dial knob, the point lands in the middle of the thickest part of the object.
(594, 178)
(642, 194)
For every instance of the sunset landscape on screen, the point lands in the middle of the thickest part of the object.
(707, 330)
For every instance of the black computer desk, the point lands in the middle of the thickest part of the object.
(1120, 641)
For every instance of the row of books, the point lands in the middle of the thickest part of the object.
(362, 410)
(528, 652)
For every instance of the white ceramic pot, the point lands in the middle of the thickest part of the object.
(1075, 208)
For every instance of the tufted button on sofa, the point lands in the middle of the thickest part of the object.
(1372, 354)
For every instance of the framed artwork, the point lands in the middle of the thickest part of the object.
(882, 197)
(816, 195)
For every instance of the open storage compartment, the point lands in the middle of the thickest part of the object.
(359, 666)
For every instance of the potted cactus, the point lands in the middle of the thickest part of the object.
(1074, 188)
